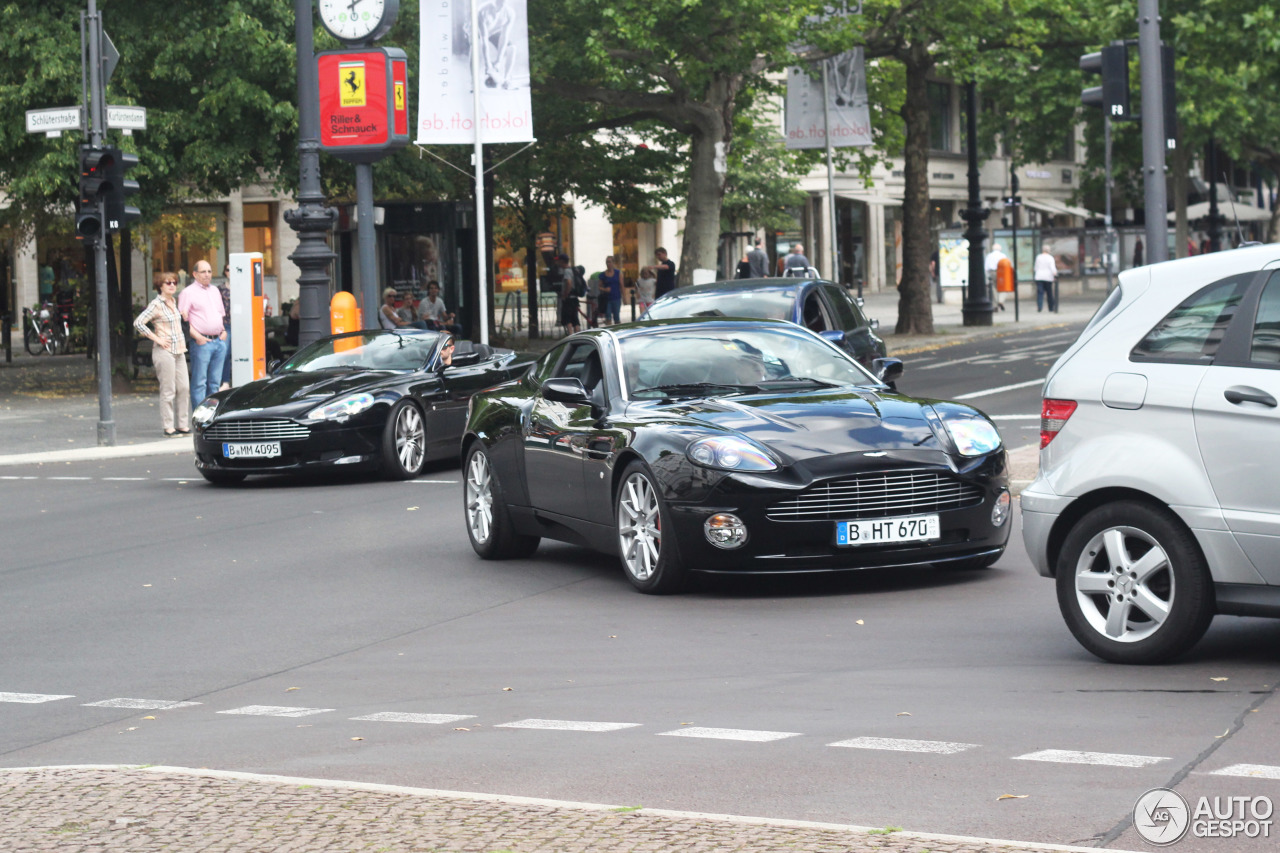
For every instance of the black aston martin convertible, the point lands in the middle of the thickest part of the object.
(729, 446)
(390, 399)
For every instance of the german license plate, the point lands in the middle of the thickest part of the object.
(253, 450)
(911, 528)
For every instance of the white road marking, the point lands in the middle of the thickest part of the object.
(940, 747)
(11, 477)
(188, 479)
(1252, 771)
(275, 711)
(438, 482)
(431, 719)
(68, 478)
(566, 725)
(126, 479)
(141, 704)
(1113, 759)
(987, 393)
(729, 734)
(31, 698)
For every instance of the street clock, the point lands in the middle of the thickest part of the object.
(358, 21)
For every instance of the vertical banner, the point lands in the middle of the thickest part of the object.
(446, 101)
(849, 112)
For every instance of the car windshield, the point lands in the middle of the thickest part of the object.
(758, 304)
(365, 351)
(700, 360)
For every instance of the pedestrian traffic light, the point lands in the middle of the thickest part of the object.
(1112, 62)
(91, 185)
(118, 188)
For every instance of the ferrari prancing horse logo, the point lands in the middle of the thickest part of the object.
(351, 84)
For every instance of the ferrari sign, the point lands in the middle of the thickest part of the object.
(362, 96)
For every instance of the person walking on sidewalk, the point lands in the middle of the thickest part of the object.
(1046, 271)
(168, 353)
(758, 258)
(991, 265)
(200, 304)
(611, 287)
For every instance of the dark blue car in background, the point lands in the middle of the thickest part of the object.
(820, 306)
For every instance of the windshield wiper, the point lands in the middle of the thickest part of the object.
(798, 381)
(697, 389)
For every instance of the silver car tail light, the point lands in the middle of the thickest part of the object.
(1053, 417)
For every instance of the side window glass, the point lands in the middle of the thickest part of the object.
(1264, 348)
(814, 314)
(583, 364)
(846, 312)
(1193, 331)
(544, 369)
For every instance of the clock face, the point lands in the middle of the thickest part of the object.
(358, 20)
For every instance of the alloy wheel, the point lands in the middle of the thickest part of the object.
(479, 497)
(1124, 584)
(639, 527)
(410, 438)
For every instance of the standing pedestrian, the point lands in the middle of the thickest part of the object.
(1046, 272)
(759, 260)
(666, 270)
(225, 289)
(795, 263)
(1137, 252)
(168, 353)
(568, 295)
(991, 264)
(646, 288)
(200, 304)
(744, 267)
(594, 306)
(611, 285)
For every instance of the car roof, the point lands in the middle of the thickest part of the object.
(740, 285)
(643, 327)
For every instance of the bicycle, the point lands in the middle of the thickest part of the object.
(42, 334)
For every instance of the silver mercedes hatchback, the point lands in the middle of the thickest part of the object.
(1157, 504)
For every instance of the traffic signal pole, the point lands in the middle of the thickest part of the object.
(97, 125)
(1154, 140)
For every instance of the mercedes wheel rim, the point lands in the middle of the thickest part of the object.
(1124, 584)
(410, 438)
(639, 527)
(479, 498)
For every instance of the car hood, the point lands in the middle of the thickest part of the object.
(290, 394)
(814, 424)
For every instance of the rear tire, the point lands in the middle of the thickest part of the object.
(1133, 586)
(404, 442)
(222, 478)
(31, 340)
(651, 561)
(489, 526)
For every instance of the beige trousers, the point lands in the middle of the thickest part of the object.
(175, 388)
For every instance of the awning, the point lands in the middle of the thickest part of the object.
(1058, 208)
(870, 198)
(1228, 211)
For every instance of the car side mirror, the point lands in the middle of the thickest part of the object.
(835, 336)
(875, 324)
(887, 370)
(567, 390)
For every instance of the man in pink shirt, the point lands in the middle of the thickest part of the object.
(200, 304)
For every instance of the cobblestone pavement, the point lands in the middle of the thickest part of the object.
(139, 810)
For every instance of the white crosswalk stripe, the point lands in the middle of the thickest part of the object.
(31, 698)
(904, 745)
(429, 719)
(729, 734)
(566, 725)
(141, 704)
(1113, 759)
(1252, 771)
(275, 711)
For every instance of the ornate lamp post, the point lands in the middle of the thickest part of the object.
(977, 309)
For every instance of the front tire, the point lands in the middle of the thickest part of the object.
(651, 560)
(1133, 586)
(222, 478)
(489, 526)
(404, 442)
(31, 340)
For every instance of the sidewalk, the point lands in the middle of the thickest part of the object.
(143, 809)
(49, 408)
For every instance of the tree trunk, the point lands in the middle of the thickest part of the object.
(706, 196)
(915, 306)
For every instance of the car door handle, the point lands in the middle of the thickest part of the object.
(1245, 394)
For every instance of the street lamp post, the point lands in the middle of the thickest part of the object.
(977, 309)
(311, 219)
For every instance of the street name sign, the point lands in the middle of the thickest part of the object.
(54, 120)
(127, 118)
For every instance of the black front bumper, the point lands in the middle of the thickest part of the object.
(327, 446)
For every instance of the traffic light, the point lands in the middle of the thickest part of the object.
(1112, 62)
(92, 181)
(118, 188)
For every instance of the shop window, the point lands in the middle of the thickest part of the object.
(260, 234)
(179, 239)
(939, 116)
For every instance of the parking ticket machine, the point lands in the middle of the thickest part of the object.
(248, 331)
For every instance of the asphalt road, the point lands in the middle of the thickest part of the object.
(917, 699)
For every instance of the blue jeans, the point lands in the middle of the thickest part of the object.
(206, 368)
(1045, 289)
(614, 312)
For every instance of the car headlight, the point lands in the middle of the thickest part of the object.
(730, 453)
(340, 410)
(205, 411)
(972, 436)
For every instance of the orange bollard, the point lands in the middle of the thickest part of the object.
(344, 316)
(1004, 276)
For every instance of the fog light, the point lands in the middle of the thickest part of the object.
(1000, 512)
(725, 531)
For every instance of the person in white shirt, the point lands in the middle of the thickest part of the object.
(990, 265)
(1046, 272)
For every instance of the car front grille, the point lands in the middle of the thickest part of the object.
(266, 429)
(877, 496)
